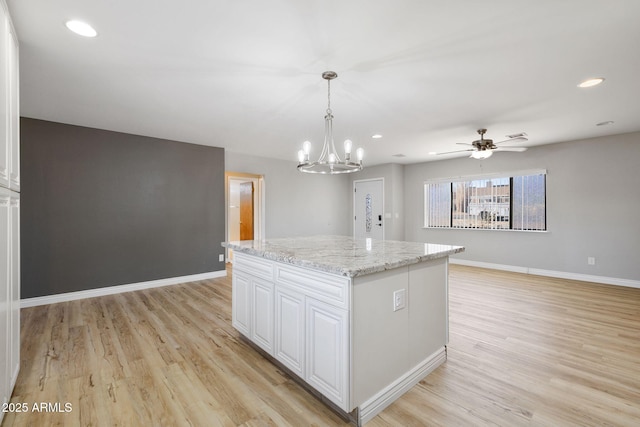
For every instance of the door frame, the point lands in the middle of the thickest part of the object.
(258, 205)
(353, 207)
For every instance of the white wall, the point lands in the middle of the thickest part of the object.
(593, 208)
(297, 204)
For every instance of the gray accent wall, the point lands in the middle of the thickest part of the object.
(593, 208)
(296, 203)
(102, 208)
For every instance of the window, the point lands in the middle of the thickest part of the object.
(495, 202)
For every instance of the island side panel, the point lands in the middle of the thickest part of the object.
(428, 309)
(387, 345)
(380, 336)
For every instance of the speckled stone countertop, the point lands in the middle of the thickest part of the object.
(343, 255)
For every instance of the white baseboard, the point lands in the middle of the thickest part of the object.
(393, 391)
(110, 290)
(550, 273)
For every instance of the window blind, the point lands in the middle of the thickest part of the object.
(492, 202)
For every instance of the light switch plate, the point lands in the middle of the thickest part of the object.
(399, 299)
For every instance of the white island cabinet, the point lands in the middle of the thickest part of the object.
(359, 321)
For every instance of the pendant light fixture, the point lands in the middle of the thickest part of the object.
(329, 162)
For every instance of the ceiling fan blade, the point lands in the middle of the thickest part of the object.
(457, 151)
(518, 149)
(516, 139)
(463, 143)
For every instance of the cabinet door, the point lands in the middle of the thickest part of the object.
(5, 237)
(13, 110)
(327, 351)
(262, 315)
(241, 302)
(289, 345)
(14, 289)
(5, 139)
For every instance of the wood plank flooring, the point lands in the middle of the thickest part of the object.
(524, 351)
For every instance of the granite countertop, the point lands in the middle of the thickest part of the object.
(343, 255)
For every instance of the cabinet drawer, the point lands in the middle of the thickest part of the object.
(259, 267)
(325, 287)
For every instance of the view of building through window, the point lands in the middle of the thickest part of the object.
(481, 203)
(516, 203)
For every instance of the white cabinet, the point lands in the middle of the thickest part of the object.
(9, 291)
(298, 316)
(312, 329)
(241, 302)
(9, 104)
(252, 299)
(9, 208)
(14, 287)
(290, 329)
(13, 109)
(327, 352)
(5, 304)
(5, 153)
(262, 317)
(312, 340)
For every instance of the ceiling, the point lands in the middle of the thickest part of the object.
(246, 75)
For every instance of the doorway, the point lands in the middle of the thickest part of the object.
(368, 208)
(245, 208)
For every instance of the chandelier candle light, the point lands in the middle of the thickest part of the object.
(329, 162)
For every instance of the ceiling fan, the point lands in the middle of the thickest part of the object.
(484, 148)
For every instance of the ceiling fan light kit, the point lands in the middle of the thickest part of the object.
(484, 154)
(329, 161)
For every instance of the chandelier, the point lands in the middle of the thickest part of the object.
(329, 162)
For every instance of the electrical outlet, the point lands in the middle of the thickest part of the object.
(399, 299)
(221, 257)
(591, 260)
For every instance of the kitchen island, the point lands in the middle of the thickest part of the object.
(360, 321)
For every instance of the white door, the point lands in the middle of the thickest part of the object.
(368, 206)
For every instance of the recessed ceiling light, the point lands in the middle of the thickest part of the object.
(591, 82)
(376, 136)
(81, 28)
(608, 122)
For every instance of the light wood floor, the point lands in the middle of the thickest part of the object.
(524, 351)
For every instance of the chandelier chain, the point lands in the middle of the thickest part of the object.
(329, 96)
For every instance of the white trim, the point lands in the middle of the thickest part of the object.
(110, 290)
(550, 273)
(393, 391)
